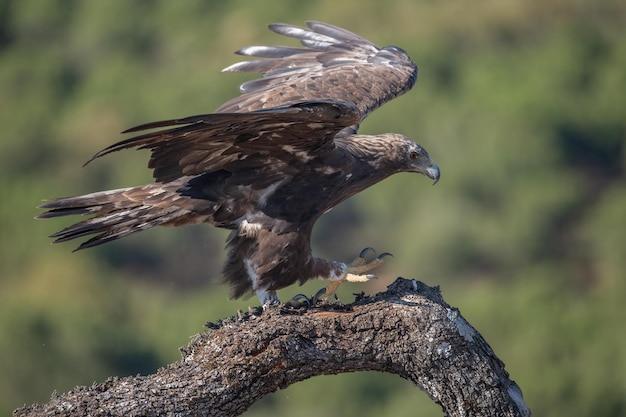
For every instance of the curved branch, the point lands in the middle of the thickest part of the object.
(408, 330)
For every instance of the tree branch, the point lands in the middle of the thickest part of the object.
(408, 330)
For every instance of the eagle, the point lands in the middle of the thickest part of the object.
(267, 163)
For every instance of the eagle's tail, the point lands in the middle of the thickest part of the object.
(119, 213)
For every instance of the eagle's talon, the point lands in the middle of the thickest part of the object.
(318, 295)
(355, 270)
(364, 252)
(361, 259)
(300, 300)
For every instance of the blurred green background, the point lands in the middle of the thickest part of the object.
(522, 104)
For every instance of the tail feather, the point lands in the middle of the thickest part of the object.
(119, 213)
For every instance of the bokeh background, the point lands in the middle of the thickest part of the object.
(522, 104)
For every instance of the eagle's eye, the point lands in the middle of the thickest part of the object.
(414, 155)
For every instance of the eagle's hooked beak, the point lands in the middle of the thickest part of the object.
(432, 172)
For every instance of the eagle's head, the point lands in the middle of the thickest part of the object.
(409, 156)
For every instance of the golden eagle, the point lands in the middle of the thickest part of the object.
(268, 163)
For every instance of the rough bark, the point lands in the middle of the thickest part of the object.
(408, 330)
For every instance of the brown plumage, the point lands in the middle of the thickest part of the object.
(268, 163)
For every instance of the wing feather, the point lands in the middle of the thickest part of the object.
(334, 64)
(277, 137)
(335, 32)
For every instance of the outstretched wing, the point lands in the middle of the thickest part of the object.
(277, 137)
(334, 65)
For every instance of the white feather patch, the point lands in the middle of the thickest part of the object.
(247, 229)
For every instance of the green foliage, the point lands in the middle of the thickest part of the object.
(521, 104)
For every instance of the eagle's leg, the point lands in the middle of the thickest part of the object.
(267, 297)
(355, 272)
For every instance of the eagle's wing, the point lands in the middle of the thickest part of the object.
(334, 64)
(276, 137)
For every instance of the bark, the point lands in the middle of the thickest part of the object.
(408, 330)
